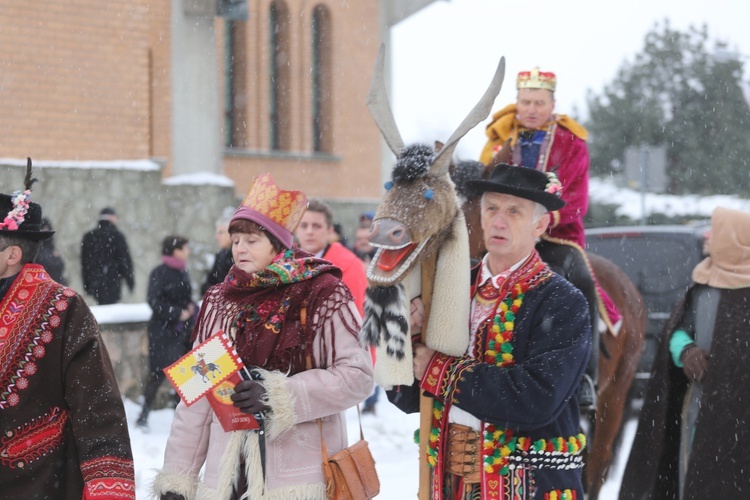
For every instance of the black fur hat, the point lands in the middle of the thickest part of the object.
(543, 188)
(22, 217)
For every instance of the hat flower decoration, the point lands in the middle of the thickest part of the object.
(554, 186)
(20, 200)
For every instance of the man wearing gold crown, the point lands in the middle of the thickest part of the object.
(529, 133)
(64, 433)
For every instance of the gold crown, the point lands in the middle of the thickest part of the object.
(283, 208)
(536, 79)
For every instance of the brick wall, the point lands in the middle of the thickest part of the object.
(74, 79)
(91, 80)
(352, 170)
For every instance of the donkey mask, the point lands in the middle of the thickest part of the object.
(419, 217)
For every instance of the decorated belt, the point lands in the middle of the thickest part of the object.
(464, 456)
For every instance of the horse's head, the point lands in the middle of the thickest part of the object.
(415, 217)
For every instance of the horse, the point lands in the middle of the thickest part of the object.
(204, 369)
(618, 360)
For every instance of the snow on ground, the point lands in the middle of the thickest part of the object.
(389, 434)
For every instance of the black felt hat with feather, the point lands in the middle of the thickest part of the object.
(22, 217)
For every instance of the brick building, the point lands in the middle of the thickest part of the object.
(94, 86)
(92, 80)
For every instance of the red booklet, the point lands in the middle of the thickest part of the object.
(231, 418)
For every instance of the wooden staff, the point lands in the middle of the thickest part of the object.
(425, 402)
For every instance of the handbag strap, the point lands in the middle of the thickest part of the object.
(323, 442)
(308, 365)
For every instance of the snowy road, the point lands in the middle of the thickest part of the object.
(390, 435)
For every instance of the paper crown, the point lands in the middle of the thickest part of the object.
(536, 79)
(278, 211)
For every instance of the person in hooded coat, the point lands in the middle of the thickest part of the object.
(294, 324)
(691, 441)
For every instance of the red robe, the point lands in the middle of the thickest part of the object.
(563, 149)
(566, 151)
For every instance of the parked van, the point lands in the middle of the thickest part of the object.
(659, 260)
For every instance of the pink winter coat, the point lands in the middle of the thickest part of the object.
(293, 454)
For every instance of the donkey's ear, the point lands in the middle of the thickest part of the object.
(479, 113)
(438, 145)
(380, 107)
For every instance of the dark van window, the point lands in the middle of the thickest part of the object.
(659, 261)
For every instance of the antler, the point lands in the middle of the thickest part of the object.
(380, 107)
(479, 113)
(28, 181)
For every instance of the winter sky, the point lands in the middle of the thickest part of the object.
(445, 55)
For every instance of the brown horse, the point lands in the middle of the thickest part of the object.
(619, 356)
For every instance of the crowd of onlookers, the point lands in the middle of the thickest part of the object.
(106, 263)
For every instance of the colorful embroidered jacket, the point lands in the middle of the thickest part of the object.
(64, 433)
(522, 384)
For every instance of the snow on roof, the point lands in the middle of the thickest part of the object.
(145, 165)
(606, 192)
(199, 179)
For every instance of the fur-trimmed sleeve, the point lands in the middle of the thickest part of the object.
(186, 450)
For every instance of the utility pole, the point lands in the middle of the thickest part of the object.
(644, 181)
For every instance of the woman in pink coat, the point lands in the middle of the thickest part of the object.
(295, 324)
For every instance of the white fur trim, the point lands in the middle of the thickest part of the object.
(297, 492)
(448, 326)
(181, 484)
(281, 400)
(390, 371)
(245, 443)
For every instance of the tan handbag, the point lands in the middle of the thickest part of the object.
(350, 474)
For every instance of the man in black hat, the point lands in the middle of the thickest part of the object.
(63, 422)
(105, 260)
(506, 416)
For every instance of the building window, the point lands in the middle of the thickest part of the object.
(321, 80)
(279, 73)
(235, 85)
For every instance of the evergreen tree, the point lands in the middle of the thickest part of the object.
(678, 94)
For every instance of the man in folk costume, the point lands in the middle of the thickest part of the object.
(505, 417)
(693, 429)
(64, 433)
(529, 134)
